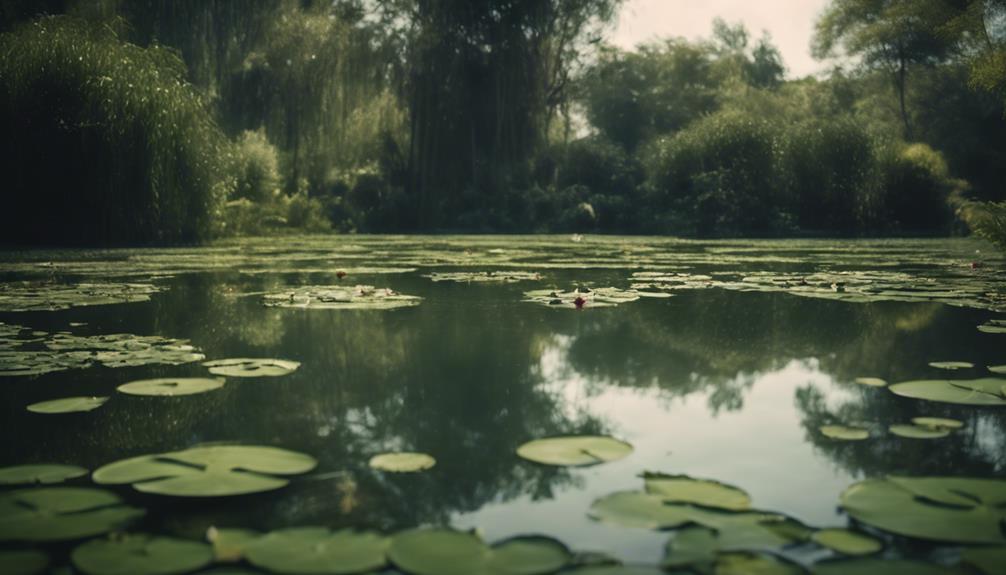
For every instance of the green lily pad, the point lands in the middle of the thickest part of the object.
(439, 552)
(846, 542)
(484, 277)
(951, 365)
(705, 492)
(44, 474)
(871, 381)
(317, 550)
(65, 351)
(638, 509)
(171, 386)
(213, 471)
(582, 298)
(952, 509)
(54, 297)
(27, 562)
(988, 560)
(743, 563)
(61, 513)
(918, 431)
(402, 462)
(68, 405)
(619, 570)
(528, 556)
(1000, 369)
(845, 432)
(691, 546)
(938, 422)
(872, 566)
(993, 326)
(229, 544)
(340, 298)
(985, 391)
(248, 367)
(574, 450)
(139, 554)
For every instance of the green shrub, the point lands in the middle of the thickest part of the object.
(987, 220)
(916, 186)
(257, 166)
(107, 142)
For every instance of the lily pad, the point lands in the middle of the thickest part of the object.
(951, 365)
(229, 544)
(171, 386)
(484, 277)
(993, 326)
(53, 297)
(65, 351)
(638, 509)
(952, 509)
(68, 405)
(61, 513)
(402, 462)
(619, 570)
(871, 566)
(871, 381)
(845, 432)
(583, 298)
(985, 391)
(213, 471)
(360, 297)
(1000, 369)
(250, 367)
(692, 546)
(27, 562)
(743, 563)
(139, 554)
(44, 474)
(528, 556)
(847, 542)
(575, 450)
(705, 492)
(938, 422)
(317, 550)
(988, 560)
(918, 431)
(439, 552)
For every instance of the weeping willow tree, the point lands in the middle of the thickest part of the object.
(485, 79)
(104, 141)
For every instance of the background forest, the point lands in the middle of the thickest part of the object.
(163, 121)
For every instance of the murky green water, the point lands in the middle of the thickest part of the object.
(729, 379)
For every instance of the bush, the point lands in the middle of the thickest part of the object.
(106, 140)
(257, 166)
(987, 220)
(916, 188)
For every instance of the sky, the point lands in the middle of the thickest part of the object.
(790, 22)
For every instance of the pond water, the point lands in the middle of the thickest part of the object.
(729, 378)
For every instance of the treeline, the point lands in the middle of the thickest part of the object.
(181, 120)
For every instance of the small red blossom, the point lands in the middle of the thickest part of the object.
(977, 265)
(578, 302)
(340, 274)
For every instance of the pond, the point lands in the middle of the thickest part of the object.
(730, 361)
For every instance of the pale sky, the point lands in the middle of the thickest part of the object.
(790, 22)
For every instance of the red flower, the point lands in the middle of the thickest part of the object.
(340, 274)
(578, 302)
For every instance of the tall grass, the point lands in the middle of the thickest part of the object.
(107, 141)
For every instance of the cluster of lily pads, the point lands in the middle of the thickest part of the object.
(29, 296)
(359, 297)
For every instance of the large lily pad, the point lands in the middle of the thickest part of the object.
(871, 566)
(993, 326)
(402, 462)
(847, 542)
(989, 560)
(951, 365)
(53, 297)
(619, 570)
(67, 405)
(484, 277)
(250, 367)
(439, 552)
(999, 369)
(744, 563)
(691, 547)
(845, 432)
(317, 550)
(528, 556)
(984, 391)
(574, 450)
(26, 562)
(212, 471)
(705, 492)
(139, 554)
(952, 509)
(360, 297)
(43, 474)
(61, 513)
(638, 509)
(171, 386)
(919, 431)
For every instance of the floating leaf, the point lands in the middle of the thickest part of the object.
(402, 462)
(985, 391)
(527, 556)
(574, 450)
(484, 277)
(68, 405)
(989, 560)
(705, 492)
(638, 509)
(871, 381)
(338, 297)
(580, 298)
(846, 542)
(754, 564)
(53, 297)
(229, 544)
(993, 326)
(619, 570)
(213, 471)
(845, 432)
(691, 546)
(951, 365)
(439, 552)
(248, 367)
(938, 422)
(39, 474)
(1000, 369)
(27, 562)
(871, 566)
(318, 550)
(139, 554)
(918, 431)
(957, 510)
(61, 513)
(66, 351)
(171, 386)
